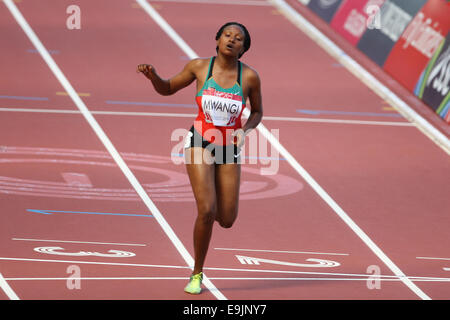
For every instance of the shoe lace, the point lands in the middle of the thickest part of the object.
(198, 276)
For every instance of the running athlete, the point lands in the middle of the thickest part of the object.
(212, 150)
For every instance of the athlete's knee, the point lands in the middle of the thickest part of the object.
(226, 223)
(207, 213)
(227, 219)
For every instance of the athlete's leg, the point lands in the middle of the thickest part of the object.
(201, 175)
(227, 182)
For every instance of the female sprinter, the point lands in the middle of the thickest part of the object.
(212, 150)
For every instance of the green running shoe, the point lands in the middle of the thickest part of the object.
(194, 285)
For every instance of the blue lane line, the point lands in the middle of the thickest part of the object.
(49, 51)
(24, 98)
(337, 65)
(349, 113)
(79, 212)
(153, 104)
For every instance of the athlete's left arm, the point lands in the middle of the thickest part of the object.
(255, 97)
(251, 78)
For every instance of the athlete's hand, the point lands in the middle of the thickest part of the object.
(144, 68)
(239, 137)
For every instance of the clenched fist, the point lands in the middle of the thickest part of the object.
(144, 68)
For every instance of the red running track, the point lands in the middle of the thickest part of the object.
(66, 203)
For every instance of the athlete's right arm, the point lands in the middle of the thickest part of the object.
(167, 87)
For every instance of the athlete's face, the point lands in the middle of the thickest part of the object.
(231, 41)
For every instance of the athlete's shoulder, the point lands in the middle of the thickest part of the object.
(249, 74)
(198, 63)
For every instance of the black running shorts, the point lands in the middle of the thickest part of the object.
(222, 154)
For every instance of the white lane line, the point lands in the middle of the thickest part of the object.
(40, 110)
(120, 264)
(432, 258)
(224, 278)
(104, 139)
(293, 162)
(115, 113)
(282, 251)
(96, 278)
(89, 242)
(167, 28)
(362, 74)
(96, 263)
(342, 121)
(7, 289)
(192, 115)
(334, 279)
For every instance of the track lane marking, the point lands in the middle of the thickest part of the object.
(105, 141)
(87, 242)
(432, 258)
(123, 264)
(50, 212)
(224, 278)
(294, 163)
(7, 289)
(192, 115)
(24, 98)
(283, 251)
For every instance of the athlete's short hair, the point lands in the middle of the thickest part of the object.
(247, 39)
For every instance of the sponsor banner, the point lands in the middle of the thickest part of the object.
(395, 15)
(355, 16)
(325, 8)
(433, 86)
(418, 43)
